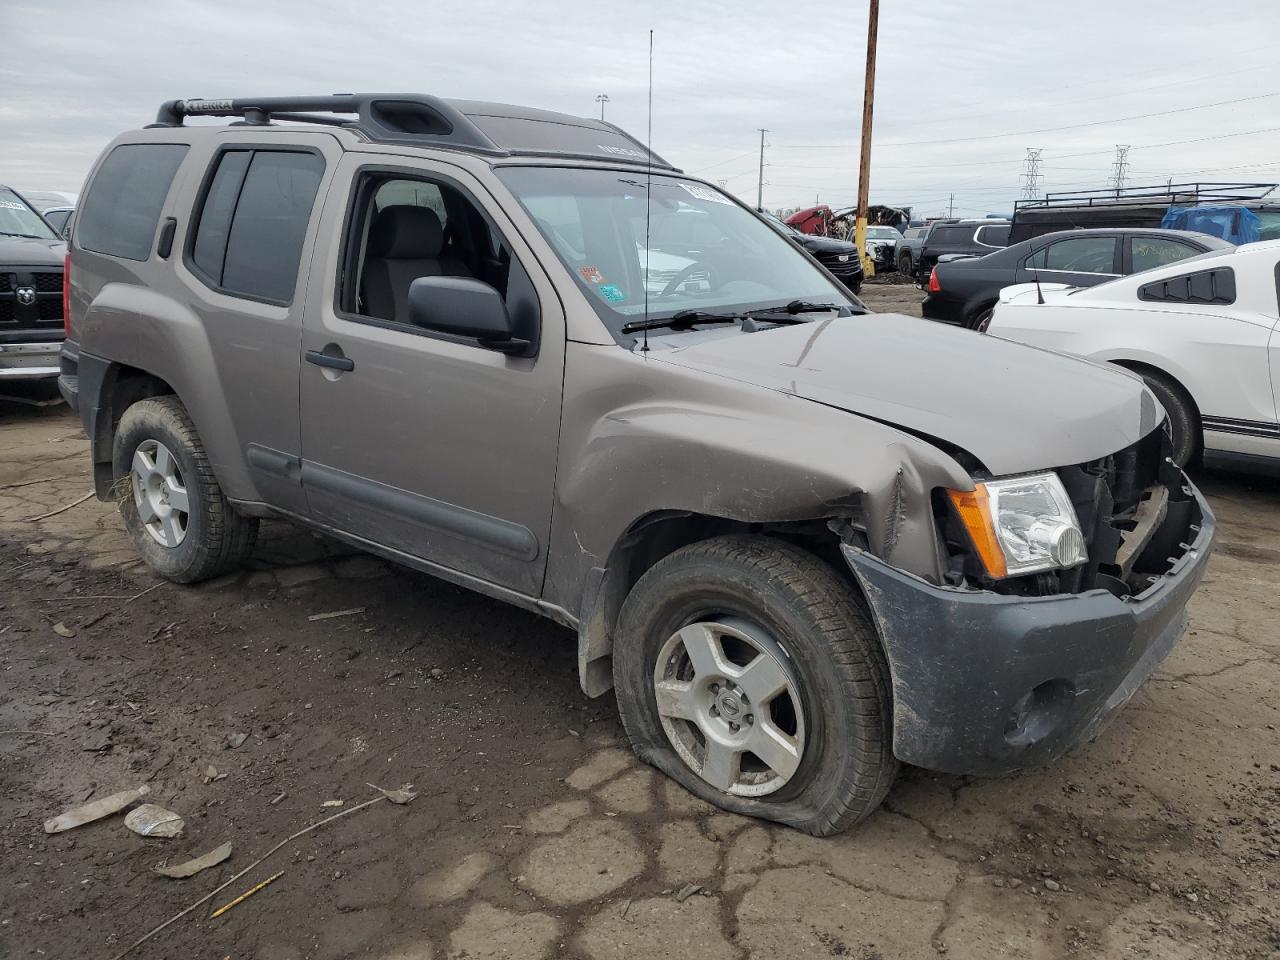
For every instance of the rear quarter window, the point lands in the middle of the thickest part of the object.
(120, 214)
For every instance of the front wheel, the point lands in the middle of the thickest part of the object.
(746, 670)
(904, 264)
(180, 521)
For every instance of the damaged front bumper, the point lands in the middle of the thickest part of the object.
(988, 684)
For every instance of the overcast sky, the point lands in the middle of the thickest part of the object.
(962, 89)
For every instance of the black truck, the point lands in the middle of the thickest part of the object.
(32, 263)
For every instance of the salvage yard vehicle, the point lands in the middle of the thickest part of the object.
(32, 258)
(965, 291)
(1201, 332)
(907, 250)
(800, 541)
(960, 238)
(838, 256)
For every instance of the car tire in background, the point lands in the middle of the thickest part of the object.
(904, 264)
(1184, 419)
(746, 670)
(180, 522)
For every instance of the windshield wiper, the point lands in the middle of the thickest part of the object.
(806, 306)
(681, 320)
(25, 236)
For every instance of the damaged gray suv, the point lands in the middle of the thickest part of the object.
(518, 351)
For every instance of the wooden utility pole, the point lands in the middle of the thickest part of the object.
(864, 163)
(760, 184)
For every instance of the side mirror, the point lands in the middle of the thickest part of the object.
(465, 308)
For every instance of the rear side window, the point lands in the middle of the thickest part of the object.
(1080, 255)
(1204, 286)
(996, 235)
(121, 212)
(253, 221)
(1146, 253)
(947, 236)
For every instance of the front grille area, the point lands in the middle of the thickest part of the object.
(49, 282)
(845, 269)
(1136, 512)
(45, 306)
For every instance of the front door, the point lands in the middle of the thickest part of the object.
(429, 444)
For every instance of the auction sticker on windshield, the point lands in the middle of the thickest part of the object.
(705, 193)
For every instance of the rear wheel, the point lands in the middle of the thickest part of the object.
(745, 670)
(1184, 420)
(979, 319)
(179, 519)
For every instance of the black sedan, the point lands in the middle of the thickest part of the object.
(964, 291)
(838, 256)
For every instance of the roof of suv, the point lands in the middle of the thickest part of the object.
(414, 119)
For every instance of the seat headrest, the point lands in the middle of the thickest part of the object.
(405, 232)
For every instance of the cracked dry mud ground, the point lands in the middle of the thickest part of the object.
(536, 833)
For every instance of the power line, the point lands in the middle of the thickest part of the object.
(1091, 123)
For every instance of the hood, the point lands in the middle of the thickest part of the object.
(828, 245)
(1016, 408)
(26, 252)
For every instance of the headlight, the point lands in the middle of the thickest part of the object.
(1022, 525)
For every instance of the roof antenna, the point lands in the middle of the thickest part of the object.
(1039, 293)
(648, 191)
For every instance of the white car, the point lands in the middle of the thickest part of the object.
(1201, 332)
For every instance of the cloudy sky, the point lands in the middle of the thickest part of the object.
(962, 90)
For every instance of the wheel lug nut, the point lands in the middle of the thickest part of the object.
(714, 712)
(715, 688)
(750, 718)
(734, 727)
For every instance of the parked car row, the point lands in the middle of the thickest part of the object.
(1203, 332)
(964, 291)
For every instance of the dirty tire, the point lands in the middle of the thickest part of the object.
(218, 538)
(848, 765)
(1184, 421)
(904, 264)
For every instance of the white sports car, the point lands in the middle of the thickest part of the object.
(1201, 332)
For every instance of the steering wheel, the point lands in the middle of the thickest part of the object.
(684, 275)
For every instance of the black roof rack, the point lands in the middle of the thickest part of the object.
(492, 129)
(1182, 194)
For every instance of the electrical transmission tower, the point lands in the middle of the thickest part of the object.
(1031, 174)
(1120, 168)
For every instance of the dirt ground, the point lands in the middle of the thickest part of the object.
(535, 833)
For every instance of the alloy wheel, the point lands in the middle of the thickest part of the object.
(728, 699)
(160, 494)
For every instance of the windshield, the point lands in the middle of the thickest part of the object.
(705, 252)
(19, 220)
(882, 233)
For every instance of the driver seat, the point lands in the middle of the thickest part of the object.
(405, 242)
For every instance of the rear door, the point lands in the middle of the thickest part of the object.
(244, 262)
(1080, 261)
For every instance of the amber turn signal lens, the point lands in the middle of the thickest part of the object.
(974, 508)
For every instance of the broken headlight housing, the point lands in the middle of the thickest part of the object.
(1022, 525)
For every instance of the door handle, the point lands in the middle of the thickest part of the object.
(329, 360)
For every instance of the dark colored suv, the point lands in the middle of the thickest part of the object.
(968, 238)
